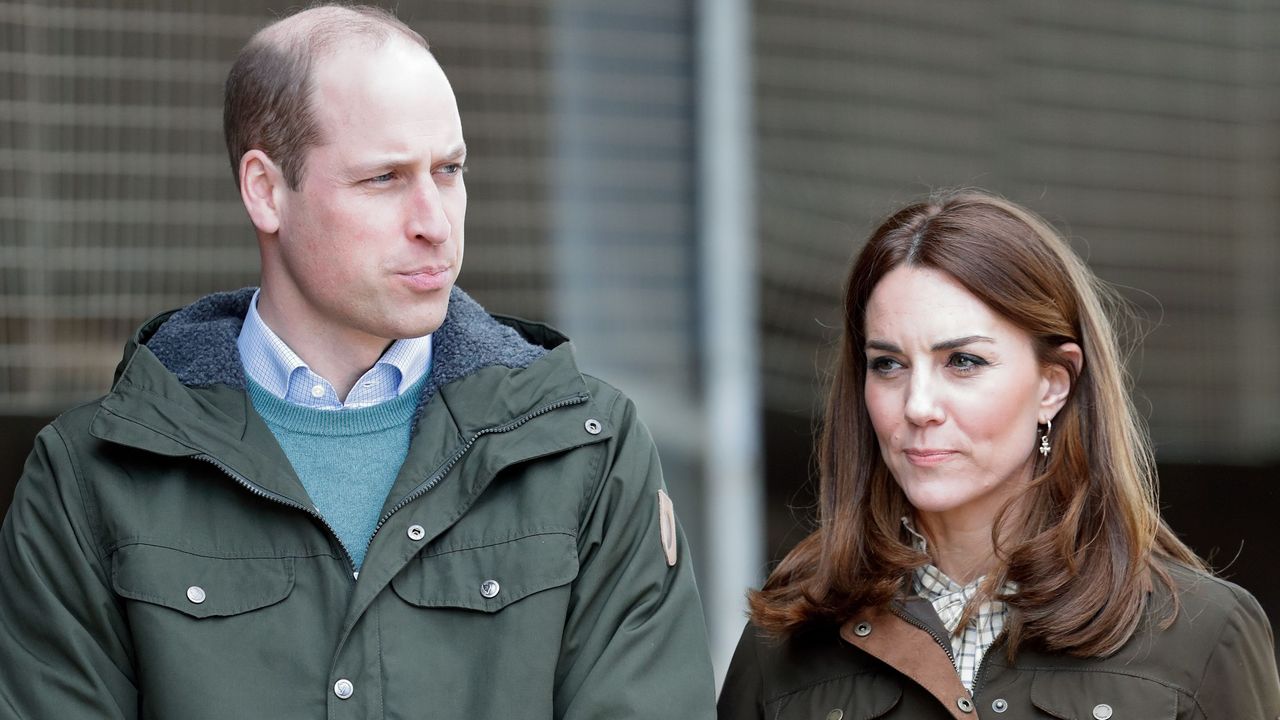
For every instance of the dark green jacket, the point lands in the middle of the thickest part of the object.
(1216, 662)
(162, 560)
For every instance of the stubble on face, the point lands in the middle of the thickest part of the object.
(371, 242)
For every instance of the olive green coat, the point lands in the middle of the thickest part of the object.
(162, 560)
(1216, 662)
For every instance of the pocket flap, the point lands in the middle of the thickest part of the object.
(864, 696)
(490, 576)
(1101, 695)
(198, 585)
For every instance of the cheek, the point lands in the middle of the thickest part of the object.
(1003, 421)
(884, 408)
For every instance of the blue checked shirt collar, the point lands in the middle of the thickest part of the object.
(270, 363)
(949, 599)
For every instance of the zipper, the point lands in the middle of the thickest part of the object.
(977, 678)
(912, 620)
(267, 494)
(453, 460)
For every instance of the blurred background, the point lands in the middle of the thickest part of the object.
(680, 186)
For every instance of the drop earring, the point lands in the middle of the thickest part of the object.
(1044, 439)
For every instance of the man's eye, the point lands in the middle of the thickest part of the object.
(383, 178)
(452, 169)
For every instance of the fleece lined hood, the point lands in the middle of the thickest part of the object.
(198, 342)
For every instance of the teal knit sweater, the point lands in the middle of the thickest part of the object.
(347, 460)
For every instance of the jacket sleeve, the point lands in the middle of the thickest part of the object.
(742, 697)
(1240, 678)
(635, 643)
(63, 641)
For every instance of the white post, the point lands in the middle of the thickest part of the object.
(730, 328)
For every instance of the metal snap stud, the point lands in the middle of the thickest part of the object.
(593, 426)
(836, 714)
(862, 629)
(1102, 711)
(195, 594)
(416, 532)
(999, 705)
(344, 689)
(489, 588)
(965, 704)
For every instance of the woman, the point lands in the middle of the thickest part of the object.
(988, 541)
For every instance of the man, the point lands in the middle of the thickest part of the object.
(352, 493)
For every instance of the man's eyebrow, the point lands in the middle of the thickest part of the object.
(456, 152)
(885, 346)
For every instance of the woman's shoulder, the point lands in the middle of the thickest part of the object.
(1203, 601)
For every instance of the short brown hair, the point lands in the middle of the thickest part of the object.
(1092, 540)
(268, 92)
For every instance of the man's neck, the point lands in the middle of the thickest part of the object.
(340, 358)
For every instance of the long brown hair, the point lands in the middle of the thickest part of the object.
(1085, 552)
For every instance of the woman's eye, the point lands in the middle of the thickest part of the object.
(965, 361)
(884, 365)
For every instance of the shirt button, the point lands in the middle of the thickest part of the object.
(195, 594)
(1102, 711)
(317, 391)
(1000, 705)
(965, 704)
(343, 689)
(416, 532)
(489, 588)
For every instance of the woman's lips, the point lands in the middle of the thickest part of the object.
(929, 456)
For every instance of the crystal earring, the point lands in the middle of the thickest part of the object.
(1044, 439)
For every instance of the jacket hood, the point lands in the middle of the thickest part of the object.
(197, 343)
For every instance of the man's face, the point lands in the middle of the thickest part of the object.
(371, 241)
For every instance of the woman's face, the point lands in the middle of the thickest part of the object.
(955, 393)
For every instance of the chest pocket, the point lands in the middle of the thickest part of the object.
(1102, 696)
(859, 697)
(489, 576)
(200, 586)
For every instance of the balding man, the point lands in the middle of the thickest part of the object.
(351, 492)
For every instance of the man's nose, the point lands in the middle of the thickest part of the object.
(923, 404)
(427, 218)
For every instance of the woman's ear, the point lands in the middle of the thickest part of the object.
(1057, 385)
(261, 189)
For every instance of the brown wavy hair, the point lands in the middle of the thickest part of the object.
(1089, 542)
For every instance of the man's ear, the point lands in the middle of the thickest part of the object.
(262, 187)
(1058, 381)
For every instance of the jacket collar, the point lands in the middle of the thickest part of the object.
(180, 385)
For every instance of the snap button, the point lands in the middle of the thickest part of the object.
(195, 594)
(489, 588)
(593, 426)
(416, 532)
(965, 704)
(999, 705)
(836, 714)
(862, 629)
(343, 689)
(1102, 711)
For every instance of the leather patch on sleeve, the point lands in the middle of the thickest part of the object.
(667, 526)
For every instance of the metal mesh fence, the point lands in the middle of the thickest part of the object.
(1147, 131)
